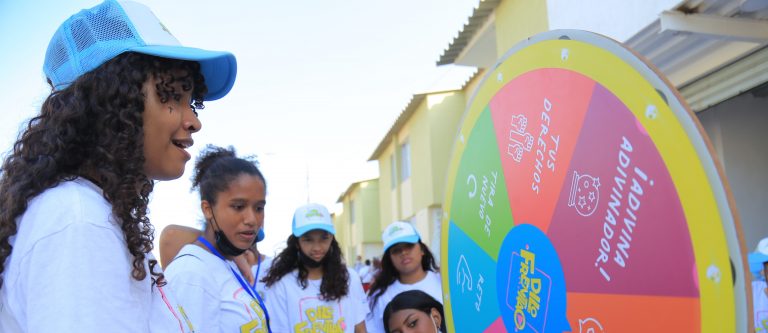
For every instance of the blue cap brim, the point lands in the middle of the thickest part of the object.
(303, 230)
(219, 68)
(412, 239)
(756, 260)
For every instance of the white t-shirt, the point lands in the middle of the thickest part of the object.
(760, 306)
(260, 273)
(212, 296)
(430, 284)
(365, 274)
(293, 309)
(70, 271)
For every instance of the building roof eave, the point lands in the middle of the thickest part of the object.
(474, 24)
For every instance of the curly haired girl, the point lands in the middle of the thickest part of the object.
(309, 288)
(75, 239)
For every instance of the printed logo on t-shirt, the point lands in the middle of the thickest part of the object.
(319, 316)
(258, 322)
(762, 321)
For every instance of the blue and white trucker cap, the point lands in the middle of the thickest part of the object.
(310, 217)
(758, 257)
(93, 36)
(399, 232)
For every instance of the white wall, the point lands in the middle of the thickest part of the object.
(427, 222)
(372, 250)
(619, 20)
(738, 129)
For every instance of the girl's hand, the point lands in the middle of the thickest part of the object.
(245, 267)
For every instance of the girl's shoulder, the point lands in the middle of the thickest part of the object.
(79, 198)
(193, 264)
(433, 276)
(431, 280)
(191, 255)
(80, 212)
(290, 278)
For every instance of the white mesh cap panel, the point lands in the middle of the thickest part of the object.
(147, 25)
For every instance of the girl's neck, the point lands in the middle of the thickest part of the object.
(414, 277)
(314, 273)
(209, 235)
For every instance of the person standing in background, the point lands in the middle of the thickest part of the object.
(366, 274)
(407, 264)
(309, 287)
(758, 265)
(358, 264)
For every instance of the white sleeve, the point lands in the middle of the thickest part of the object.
(277, 306)
(357, 297)
(374, 321)
(197, 292)
(78, 279)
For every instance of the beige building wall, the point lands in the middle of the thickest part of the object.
(517, 20)
(429, 125)
(341, 223)
(388, 193)
(442, 135)
(360, 220)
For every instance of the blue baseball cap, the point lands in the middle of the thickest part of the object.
(93, 36)
(399, 232)
(311, 217)
(757, 258)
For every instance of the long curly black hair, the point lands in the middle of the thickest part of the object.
(388, 274)
(335, 283)
(94, 129)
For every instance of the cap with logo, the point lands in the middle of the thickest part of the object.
(399, 232)
(93, 36)
(310, 217)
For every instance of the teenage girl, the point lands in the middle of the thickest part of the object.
(309, 287)
(215, 295)
(414, 311)
(75, 239)
(407, 264)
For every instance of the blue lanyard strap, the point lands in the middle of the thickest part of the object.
(250, 290)
(258, 268)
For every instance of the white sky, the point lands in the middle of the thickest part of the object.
(319, 84)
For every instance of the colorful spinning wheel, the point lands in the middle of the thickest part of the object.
(582, 195)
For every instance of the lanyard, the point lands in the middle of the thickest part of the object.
(240, 279)
(258, 268)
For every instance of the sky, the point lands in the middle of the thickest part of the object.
(319, 84)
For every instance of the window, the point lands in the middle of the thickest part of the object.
(393, 173)
(351, 212)
(405, 158)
